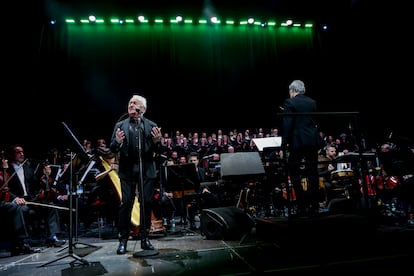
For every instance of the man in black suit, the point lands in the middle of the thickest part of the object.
(136, 140)
(25, 184)
(301, 142)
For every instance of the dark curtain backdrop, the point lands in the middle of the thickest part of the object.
(194, 77)
(201, 77)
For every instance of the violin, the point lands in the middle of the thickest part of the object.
(4, 176)
(4, 188)
(46, 181)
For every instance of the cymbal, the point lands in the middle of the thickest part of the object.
(353, 156)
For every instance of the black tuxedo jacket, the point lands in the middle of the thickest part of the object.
(299, 130)
(148, 151)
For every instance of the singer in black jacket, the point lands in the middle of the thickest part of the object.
(301, 140)
(136, 140)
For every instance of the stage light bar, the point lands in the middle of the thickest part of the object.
(179, 19)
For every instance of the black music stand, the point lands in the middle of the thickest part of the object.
(240, 169)
(84, 156)
(71, 245)
(73, 193)
(183, 178)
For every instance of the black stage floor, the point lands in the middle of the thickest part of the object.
(331, 242)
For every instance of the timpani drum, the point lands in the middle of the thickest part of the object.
(339, 174)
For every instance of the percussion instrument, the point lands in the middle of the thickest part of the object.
(392, 182)
(338, 174)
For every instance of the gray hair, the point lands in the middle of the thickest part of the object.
(297, 86)
(142, 99)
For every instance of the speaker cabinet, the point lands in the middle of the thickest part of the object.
(225, 223)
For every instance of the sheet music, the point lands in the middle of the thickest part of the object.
(267, 142)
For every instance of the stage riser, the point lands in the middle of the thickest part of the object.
(330, 232)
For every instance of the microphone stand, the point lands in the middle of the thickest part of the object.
(140, 195)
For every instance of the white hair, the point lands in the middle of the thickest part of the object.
(298, 86)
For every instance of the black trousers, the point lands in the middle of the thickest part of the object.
(303, 163)
(130, 184)
(14, 219)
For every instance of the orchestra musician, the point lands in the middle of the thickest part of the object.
(188, 203)
(24, 183)
(208, 198)
(168, 204)
(326, 166)
(12, 210)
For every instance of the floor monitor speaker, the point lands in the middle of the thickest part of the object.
(225, 223)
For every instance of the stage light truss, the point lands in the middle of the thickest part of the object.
(185, 20)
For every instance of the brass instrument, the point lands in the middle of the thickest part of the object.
(113, 175)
